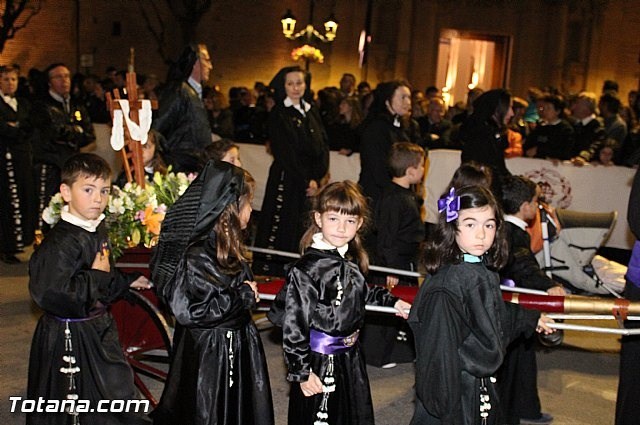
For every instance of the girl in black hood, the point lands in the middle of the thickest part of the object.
(218, 371)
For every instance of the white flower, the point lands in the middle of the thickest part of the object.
(57, 199)
(49, 216)
(153, 201)
(116, 206)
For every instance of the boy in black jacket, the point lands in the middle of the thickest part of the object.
(517, 377)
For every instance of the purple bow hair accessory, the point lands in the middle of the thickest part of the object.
(450, 203)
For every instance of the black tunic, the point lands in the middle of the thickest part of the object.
(183, 121)
(17, 192)
(518, 375)
(462, 328)
(400, 229)
(553, 141)
(63, 284)
(219, 373)
(60, 135)
(378, 135)
(483, 142)
(300, 154)
(309, 301)
(399, 232)
(588, 139)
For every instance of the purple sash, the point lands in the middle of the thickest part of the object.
(322, 343)
(92, 315)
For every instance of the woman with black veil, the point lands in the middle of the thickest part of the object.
(300, 150)
(484, 134)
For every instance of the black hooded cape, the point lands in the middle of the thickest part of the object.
(218, 373)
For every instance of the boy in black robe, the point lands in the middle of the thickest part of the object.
(517, 377)
(75, 352)
(386, 340)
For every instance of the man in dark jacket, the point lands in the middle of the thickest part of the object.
(182, 118)
(517, 377)
(63, 127)
(589, 132)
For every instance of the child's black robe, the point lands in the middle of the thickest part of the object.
(63, 284)
(309, 301)
(462, 328)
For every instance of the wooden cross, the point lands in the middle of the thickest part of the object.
(132, 150)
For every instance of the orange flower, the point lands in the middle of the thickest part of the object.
(152, 220)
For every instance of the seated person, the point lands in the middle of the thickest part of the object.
(218, 112)
(435, 129)
(589, 132)
(517, 377)
(606, 153)
(553, 137)
(344, 134)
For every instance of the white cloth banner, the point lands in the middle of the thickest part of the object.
(589, 188)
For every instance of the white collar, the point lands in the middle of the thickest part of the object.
(196, 86)
(320, 243)
(556, 122)
(517, 221)
(303, 106)
(88, 225)
(10, 100)
(588, 119)
(57, 97)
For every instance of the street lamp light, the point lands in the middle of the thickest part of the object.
(289, 24)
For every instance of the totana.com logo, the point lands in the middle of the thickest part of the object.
(18, 404)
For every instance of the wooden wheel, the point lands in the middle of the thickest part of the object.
(146, 339)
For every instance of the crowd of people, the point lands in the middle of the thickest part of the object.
(218, 372)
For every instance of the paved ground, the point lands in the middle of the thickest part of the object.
(577, 381)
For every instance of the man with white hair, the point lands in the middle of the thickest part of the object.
(588, 129)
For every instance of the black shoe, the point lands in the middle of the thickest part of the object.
(9, 259)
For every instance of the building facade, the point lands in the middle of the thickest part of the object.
(568, 44)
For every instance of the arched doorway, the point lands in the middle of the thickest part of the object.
(469, 59)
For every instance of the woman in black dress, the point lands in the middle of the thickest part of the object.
(388, 122)
(484, 134)
(300, 152)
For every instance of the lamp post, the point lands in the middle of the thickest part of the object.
(289, 23)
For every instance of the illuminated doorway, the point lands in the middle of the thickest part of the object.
(467, 60)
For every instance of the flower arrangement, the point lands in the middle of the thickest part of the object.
(134, 214)
(307, 52)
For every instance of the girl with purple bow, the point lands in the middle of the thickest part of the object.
(461, 325)
(321, 309)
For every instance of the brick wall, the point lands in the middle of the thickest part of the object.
(246, 44)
